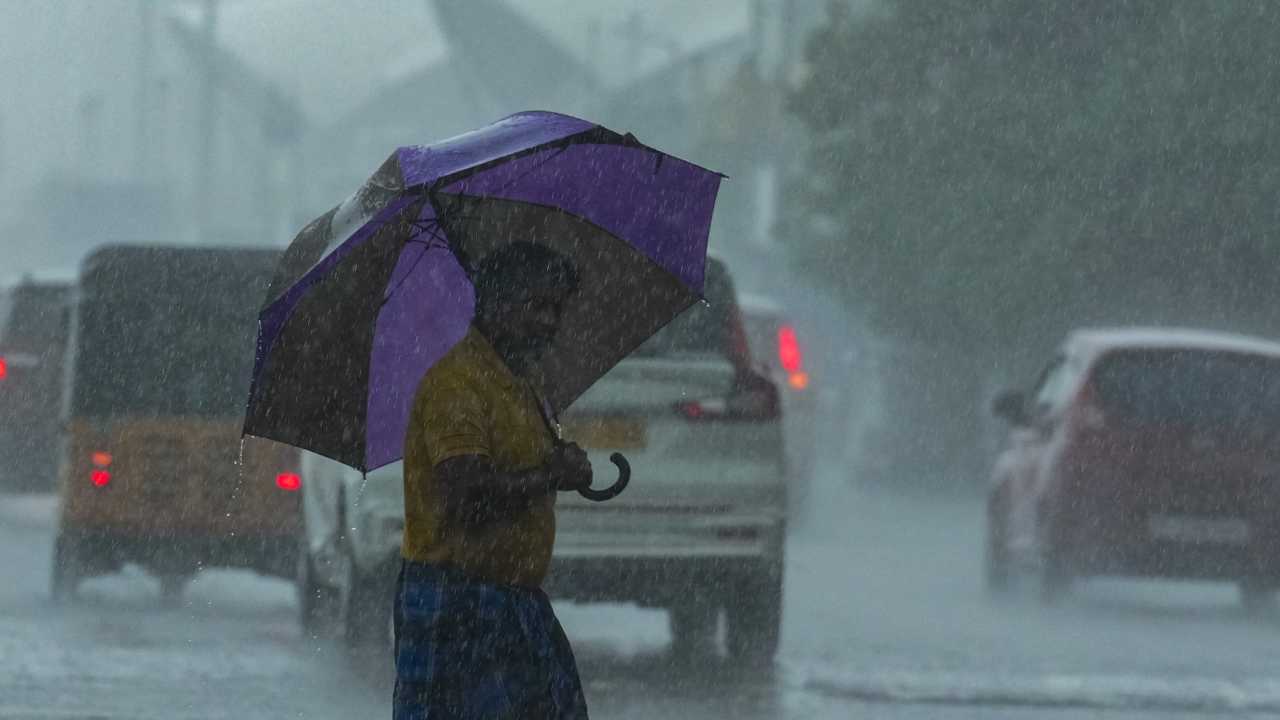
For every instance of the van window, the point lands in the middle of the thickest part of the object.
(1192, 387)
(168, 332)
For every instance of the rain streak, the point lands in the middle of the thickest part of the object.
(623, 359)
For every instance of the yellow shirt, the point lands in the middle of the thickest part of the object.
(470, 403)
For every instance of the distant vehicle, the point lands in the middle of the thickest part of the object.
(775, 347)
(153, 470)
(700, 530)
(34, 330)
(1143, 452)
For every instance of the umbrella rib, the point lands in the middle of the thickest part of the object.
(443, 213)
(431, 227)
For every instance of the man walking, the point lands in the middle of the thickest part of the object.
(475, 636)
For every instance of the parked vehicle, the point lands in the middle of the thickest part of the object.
(34, 330)
(154, 470)
(775, 347)
(700, 530)
(1144, 452)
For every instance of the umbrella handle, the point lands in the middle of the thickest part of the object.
(624, 477)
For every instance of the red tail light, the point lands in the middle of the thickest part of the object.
(791, 358)
(288, 481)
(702, 409)
(2, 367)
(755, 398)
(100, 477)
(789, 349)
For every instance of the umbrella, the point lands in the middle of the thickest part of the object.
(374, 292)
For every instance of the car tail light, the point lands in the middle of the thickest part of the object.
(702, 409)
(288, 481)
(755, 398)
(101, 461)
(789, 349)
(3, 367)
(791, 358)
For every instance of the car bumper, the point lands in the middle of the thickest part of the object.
(1130, 549)
(652, 581)
(627, 562)
(105, 552)
(589, 533)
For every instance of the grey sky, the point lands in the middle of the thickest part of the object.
(326, 51)
(68, 69)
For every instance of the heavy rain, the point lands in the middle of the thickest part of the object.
(937, 340)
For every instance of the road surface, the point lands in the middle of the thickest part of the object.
(885, 618)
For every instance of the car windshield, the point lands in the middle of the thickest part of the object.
(168, 332)
(1192, 387)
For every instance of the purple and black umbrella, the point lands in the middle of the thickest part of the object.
(374, 292)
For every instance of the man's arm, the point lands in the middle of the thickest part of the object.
(474, 493)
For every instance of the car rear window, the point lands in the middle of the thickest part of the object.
(702, 331)
(1192, 387)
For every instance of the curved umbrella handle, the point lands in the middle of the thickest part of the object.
(624, 477)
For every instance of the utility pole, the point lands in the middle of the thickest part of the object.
(757, 33)
(142, 121)
(788, 46)
(208, 124)
(634, 29)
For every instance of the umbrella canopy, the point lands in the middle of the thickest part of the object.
(374, 292)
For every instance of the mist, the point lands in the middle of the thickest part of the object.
(968, 408)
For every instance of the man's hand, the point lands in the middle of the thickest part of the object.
(569, 467)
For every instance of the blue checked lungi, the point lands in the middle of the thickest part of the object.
(472, 650)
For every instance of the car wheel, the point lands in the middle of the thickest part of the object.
(997, 565)
(363, 607)
(753, 620)
(1256, 597)
(693, 629)
(68, 568)
(317, 602)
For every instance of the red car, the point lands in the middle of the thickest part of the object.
(1142, 452)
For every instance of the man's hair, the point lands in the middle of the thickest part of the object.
(518, 265)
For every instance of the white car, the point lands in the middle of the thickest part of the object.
(700, 530)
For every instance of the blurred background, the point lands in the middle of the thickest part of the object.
(945, 190)
(234, 123)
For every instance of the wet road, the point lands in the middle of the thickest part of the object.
(885, 618)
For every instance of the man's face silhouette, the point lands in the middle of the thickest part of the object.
(521, 321)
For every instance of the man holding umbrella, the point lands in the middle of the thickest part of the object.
(415, 282)
(475, 637)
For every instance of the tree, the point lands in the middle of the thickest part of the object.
(985, 174)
